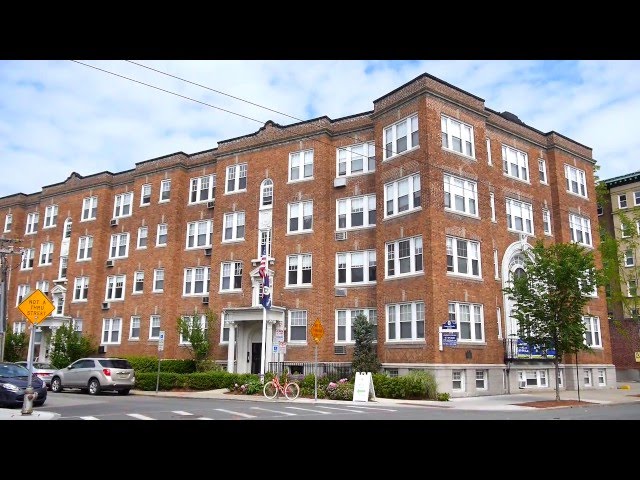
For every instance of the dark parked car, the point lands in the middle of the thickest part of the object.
(43, 370)
(13, 382)
(94, 375)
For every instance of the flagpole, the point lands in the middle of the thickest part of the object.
(264, 343)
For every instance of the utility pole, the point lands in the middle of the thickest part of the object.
(6, 248)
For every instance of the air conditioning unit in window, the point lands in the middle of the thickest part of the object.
(340, 349)
(211, 204)
(207, 252)
(102, 349)
(109, 263)
(522, 384)
(341, 292)
(105, 305)
(340, 182)
(114, 222)
(340, 235)
(205, 300)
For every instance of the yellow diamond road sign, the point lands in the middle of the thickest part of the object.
(36, 307)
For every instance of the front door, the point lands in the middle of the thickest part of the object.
(256, 351)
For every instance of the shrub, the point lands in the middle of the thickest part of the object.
(443, 397)
(341, 390)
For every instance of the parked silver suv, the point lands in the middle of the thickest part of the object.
(94, 375)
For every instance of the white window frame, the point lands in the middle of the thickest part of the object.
(302, 211)
(546, 221)
(457, 311)
(301, 163)
(489, 162)
(587, 377)
(138, 282)
(46, 253)
(154, 326)
(141, 236)
(629, 260)
(416, 312)
(525, 211)
(481, 379)
(347, 259)
(347, 207)
(112, 288)
(231, 272)
(234, 223)
(121, 203)
(410, 129)
(118, 241)
(134, 327)
(19, 327)
(542, 171)
(301, 262)
(636, 198)
(145, 195)
(392, 254)
(514, 158)
(624, 232)
(193, 277)
(85, 248)
(202, 189)
(347, 156)
(50, 216)
(467, 190)
(28, 257)
(492, 203)
(449, 127)
(300, 319)
(458, 383)
(62, 270)
(582, 225)
(344, 319)
(264, 241)
(602, 377)
(473, 258)
(111, 330)
(592, 334)
(202, 318)
(32, 223)
(266, 194)
(158, 280)
(22, 293)
(8, 222)
(576, 181)
(165, 190)
(89, 208)
(392, 195)
(199, 234)
(162, 231)
(43, 286)
(236, 178)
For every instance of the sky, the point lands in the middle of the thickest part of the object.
(90, 116)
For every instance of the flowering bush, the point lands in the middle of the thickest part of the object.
(341, 390)
(250, 388)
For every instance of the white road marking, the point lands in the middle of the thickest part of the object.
(309, 410)
(240, 414)
(181, 412)
(140, 417)
(342, 409)
(89, 418)
(376, 408)
(204, 418)
(274, 411)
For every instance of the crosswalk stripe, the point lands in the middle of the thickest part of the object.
(89, 418)
(274, 411)
(240, 414)
(140, 417)
(181, 412)
(342, 409)
(377, 408)
(204, 418)
(309, 410)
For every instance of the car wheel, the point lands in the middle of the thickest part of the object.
(94, 386)
(123, 392)
(56, 385)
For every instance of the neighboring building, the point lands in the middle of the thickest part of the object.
(440, 192)
(620, 216)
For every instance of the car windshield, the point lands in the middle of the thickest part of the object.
(42, 365)
(115, 363)
(8, 370)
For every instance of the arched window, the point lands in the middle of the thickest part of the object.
(266, 193)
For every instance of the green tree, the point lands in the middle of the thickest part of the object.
(196, 330)
(550, 298)
(365, 357)
(15, 346)
(68, 345)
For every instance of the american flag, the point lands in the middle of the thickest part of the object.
(263, 263)
(266, 292)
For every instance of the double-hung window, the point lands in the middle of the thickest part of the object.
(138, 282)
(405, 321)
(194, 321)
(158, 280)
(119, 245)
(592, 336)
(23, 292)
(356, 267)
(629, 258)
(199, 234)
(46, 253)
(115, 287)
(233, 227)
(236, 178)
(203, 189)
(85, 247)
(122, 205)
(345, 319)
(301, 165)
(356, 212)
(469, 321)
(576, 181)
(299, 270)
(515, 163)
(196, 281)
(356, 159)
(28, 254)
(32, 223)
(50, 216)
(580, 229)
(154, 327)
(546, 221)
(81, 289)
(161, 236)
(300, 217)
(457, 136)
(463, 257)
(542, 169)
(111, 331)
(403, 257)
(297, 326)
(145, 195)
(89, 208)
(134, 330)
(401, 136)
(143, 237)
(519, 216)
(8, 221)
(402, 195)
(460, 195)
(165, 190)
(231, 276)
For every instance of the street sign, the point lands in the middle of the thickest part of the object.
(283, 347)
(317, 331)
(161, 341)
(279, 335)
(449, 339)
(36, 307)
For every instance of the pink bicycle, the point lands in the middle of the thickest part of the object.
(273, 388)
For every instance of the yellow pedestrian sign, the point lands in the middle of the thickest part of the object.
(36, 307)
(317, 331)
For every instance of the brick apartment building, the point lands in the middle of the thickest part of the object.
(624, 202)
(415, 213)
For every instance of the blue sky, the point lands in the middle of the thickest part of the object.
(59, 116)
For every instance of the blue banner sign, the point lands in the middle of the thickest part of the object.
(530, 351)
(449, 339)
(450, 325)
